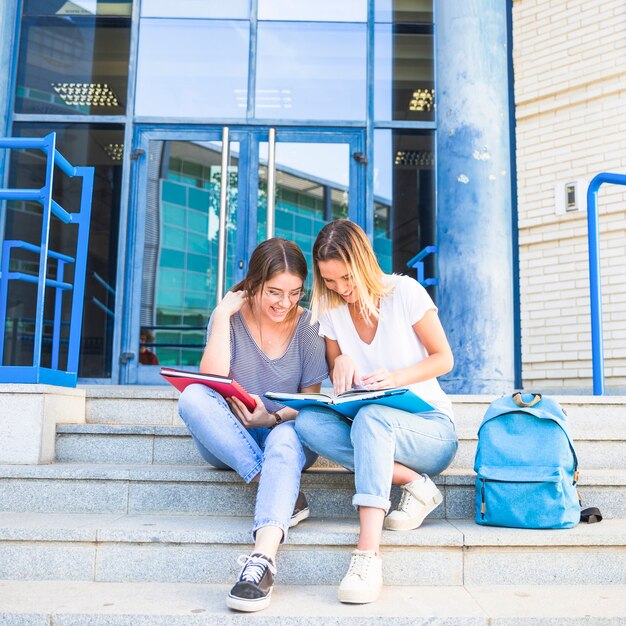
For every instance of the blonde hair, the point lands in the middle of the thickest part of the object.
(345, 241)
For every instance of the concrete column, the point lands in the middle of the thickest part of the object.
(474, 198)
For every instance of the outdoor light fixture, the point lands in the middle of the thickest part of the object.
(86, 94)
(114, 150)
(423, 158)
(422, 100)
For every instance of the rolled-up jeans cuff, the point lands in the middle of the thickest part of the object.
(376, 502)
(268, 522)
(251, 475)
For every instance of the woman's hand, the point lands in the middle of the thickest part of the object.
(259, 418)
(379, 379)
(345, 374)
(231, 303)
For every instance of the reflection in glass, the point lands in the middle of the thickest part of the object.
(311, 71)
(216, 9)
(319, 11)
(192, 68)
(84, 144)
(312, 182)
(73, 65)
(404, 197)
(403, 73)
(413, 11)
(78, 7)
(181, 245)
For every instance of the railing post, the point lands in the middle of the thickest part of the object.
(82, 247)
(595, 284)
(46, 203)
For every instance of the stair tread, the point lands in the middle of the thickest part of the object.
(590, 432)
(204, 473)
(203, 529)
(171, 604)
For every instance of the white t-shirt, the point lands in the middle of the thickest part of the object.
(395, 344)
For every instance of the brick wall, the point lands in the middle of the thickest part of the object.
(570, 95)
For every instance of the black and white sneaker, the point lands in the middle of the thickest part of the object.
(253, 589)
(300, 511)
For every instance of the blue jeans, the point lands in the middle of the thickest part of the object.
(225, 443)
(378, 436)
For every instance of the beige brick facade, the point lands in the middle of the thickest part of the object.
(570, 95)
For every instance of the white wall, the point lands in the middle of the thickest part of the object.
(570, 94)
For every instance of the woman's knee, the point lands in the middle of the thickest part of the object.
(370, 419)
(193, 399)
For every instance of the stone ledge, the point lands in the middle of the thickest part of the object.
(30, 414)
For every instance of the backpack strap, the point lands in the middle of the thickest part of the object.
(517, 398)
(591, 515)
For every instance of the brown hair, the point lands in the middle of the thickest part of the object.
(345, 241)
(271, 257)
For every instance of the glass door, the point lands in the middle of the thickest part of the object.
(203, 200)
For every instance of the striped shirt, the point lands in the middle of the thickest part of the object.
(302, 364)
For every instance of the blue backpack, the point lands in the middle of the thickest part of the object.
(526, 466)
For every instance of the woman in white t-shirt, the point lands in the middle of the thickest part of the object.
(381, 331)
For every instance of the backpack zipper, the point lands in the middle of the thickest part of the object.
(483, 504)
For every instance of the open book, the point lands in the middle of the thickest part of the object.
(226, 387)
(349, 402)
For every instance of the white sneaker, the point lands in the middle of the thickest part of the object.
(364, 579)
(419, 498)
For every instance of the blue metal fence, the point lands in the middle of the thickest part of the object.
(37, 373)
(595, 285)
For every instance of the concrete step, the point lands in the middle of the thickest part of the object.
(597, 447)
(143, 405)
(114, 488)
(186, 604)
(200, 549)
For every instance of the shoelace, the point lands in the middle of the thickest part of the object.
(253, 568)
(359, 565)
(405, 501)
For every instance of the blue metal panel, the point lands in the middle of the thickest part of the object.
(37, 373)
(474, 219)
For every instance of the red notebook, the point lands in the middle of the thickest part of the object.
(226, 387)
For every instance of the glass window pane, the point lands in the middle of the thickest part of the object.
(181, 246)
(192, 68)
(403, 74)
(404, 198)
(311, 71)
(78, 7)
(73, 65)
(82, 144)
(232, 9)
(414, 11)
(319, 11)
(312, 187)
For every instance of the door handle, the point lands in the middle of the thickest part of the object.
(271, 182)
(223, 214)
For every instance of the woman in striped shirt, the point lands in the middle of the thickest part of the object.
(260, 336)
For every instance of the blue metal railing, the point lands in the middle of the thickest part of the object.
(417, 262)
(595, 286)
(37, 373)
